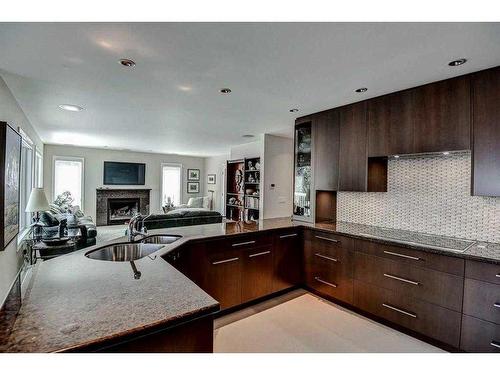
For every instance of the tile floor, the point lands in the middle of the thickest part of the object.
(301, 322)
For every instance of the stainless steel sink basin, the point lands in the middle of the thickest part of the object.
(123, 252)
(161, 239)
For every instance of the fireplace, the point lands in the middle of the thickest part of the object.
(121, 210)
(117, 206)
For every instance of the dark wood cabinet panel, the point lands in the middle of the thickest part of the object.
(326, 150)
(428, 319)
(442, 113)
(390, 124)
(479, 336)
(221, 276)
(432, 286)
(353, 160)
(482, 300)
(483, 271)
(486, 133)
(256, 273)
(412, 257)
(288, 260)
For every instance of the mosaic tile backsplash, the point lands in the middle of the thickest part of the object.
(429, 194)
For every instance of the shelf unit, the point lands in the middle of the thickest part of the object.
(243, 177)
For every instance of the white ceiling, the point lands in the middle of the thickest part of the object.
(271, 67)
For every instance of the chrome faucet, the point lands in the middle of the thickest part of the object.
(132, 231)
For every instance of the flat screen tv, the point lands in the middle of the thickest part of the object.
(119, 173)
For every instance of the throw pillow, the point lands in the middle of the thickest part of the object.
(195, 202)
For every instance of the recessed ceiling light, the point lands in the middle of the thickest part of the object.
(184, 88)
(457, 62)
(127, 62)
(362, 89)
(225, 90)
(446, 153)
(71, 107)
(294, 110)
(248, 135)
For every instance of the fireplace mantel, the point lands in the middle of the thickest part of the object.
(103, 195)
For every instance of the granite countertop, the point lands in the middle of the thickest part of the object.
(74, 301)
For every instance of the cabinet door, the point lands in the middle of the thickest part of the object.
(353, 160)
(222, 276)
(257, 273)
(390, 124)
(287, 260)
(442, 116)
(326, 150)
(486, 130)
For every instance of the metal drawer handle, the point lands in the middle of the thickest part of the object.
(496, 304)
(242, 243)
(327, 239)
(325, 282)
(258, 254)
(497, 275)
(326, 257)
(495, 344)
(401, 255)
(399, 310)
(288, 235)
(225, 261)
(401, 279)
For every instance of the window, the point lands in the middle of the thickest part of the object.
(171, 183)
(26, 181)
(38, 169)
(68, 176)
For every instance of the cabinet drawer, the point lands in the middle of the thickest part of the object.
(479, 336)
(436, 287)
(331, 284)
(430, 320)
(248, 241)
(414, 257)
(483, 271)
(327, 241)
(482, 300)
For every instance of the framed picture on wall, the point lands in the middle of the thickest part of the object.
(193, 175)
(211, 179)
(193, 187)
(10, 141)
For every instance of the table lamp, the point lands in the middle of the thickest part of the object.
(36, 204)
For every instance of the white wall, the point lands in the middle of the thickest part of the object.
(94, 164)
(278, 170)
(248, 150)
(216, 165)
(11, 259)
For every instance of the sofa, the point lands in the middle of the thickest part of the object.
(181, 217)
(74, 220)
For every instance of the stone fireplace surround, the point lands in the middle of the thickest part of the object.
(103, 195)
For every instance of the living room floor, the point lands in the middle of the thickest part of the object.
(300, 322)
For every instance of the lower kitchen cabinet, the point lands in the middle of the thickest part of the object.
(425, 318)
(328, 262)
(479, 335)
(288, 259)
(256, 273)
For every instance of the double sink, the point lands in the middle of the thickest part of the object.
(130, 251)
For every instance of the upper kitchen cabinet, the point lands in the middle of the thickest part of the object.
(486, 133)
(353, 160)
(390, 124)
(441, 116)
(326, 150)
(303, 173)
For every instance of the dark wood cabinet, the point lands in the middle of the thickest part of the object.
(256, 273)
(425, 318)
(482, 300)
(288, 259)
(441, 115)
(479, 336)
(353, 159)
(390, 124)
(486, 133)
(483, 271)
(326, 150)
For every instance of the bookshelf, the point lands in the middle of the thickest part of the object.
(243, 189)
